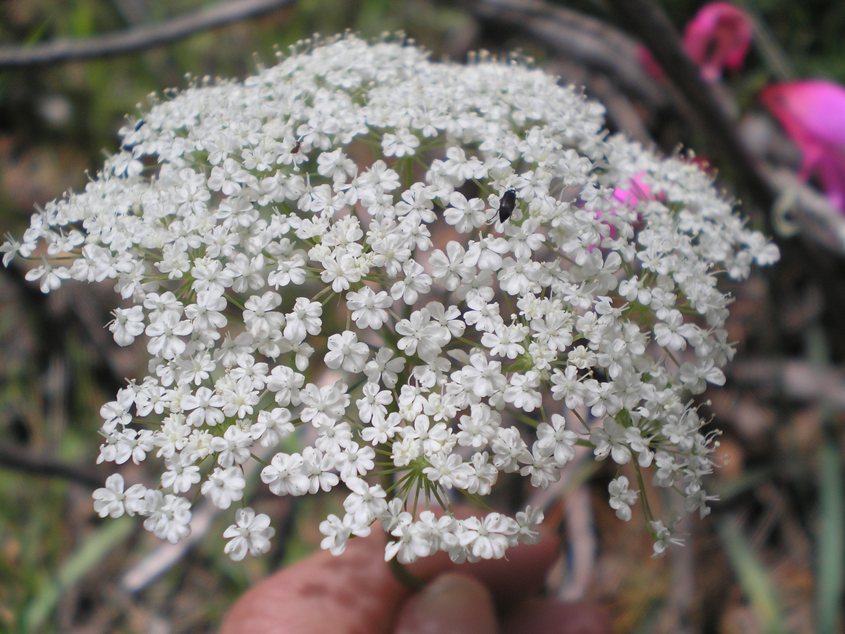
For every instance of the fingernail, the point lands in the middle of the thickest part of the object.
(451, 604)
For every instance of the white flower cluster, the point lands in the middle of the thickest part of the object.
(403, 278)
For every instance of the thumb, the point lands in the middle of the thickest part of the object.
(452, 604)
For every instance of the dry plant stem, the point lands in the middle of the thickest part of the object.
(586, 41)
(809, 210)
(165, 556)
(581, 538)
(20, 460)
(405, 577)
(795, 380)
(139, 38)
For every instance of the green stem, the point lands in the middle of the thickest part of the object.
(405, 577)
(643, 495)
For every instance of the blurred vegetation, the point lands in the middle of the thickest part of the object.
(769, 561)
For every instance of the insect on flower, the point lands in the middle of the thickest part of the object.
(506, 205)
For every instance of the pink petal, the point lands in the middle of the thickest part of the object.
(635, 191)
(812, 107)
(813, 114)
(650, 64)
(718, 37)
(832, 176)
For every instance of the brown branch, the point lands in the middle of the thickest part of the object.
(18, 459)
(795, 380)
(583, 39)
(139, 38)
(52, 326)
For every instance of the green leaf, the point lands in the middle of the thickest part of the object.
(831, 537)
(85, 559)
(753, 577)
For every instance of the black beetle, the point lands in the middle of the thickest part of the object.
(506, 204)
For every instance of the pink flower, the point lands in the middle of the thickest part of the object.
(650, 64)
(813, 113)
(717, 37)
(635, 191)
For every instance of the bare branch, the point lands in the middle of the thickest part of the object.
(813, 214)
(798, 380)
(583, 39)
(18, 459)
(139, 38)
(76, 313)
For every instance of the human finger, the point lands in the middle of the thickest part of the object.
(521, 574)
(323, 593)
(451, 604)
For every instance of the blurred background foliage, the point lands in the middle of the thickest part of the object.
(768, 560)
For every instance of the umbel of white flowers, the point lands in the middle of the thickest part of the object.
(404, 279)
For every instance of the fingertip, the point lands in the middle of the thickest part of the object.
(353, 592)
(522, 573)
(452, 604)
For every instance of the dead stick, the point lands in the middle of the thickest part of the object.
(18, 459)
(136, 39)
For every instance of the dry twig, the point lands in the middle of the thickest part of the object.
(18, 459)
(139, 38)
(797, 380)
(583, 39)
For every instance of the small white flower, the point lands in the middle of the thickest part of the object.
(662, 538)
(251, 533)
(51, 276)
(374, 403)
(364, 502)
(345, 351)
(403, 143)
(303, 320)
(557, 439)
(337, 532)
(369, 309)
(487, 538)
(611, 439)
(415, 282)
(180, 477)
(285, 475)
(168, 516)
(113, 501)
(621, 498)
(224, 486)
(166, 334)
(128, 323)
(384, 367)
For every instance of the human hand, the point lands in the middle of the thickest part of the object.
(357, 593)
